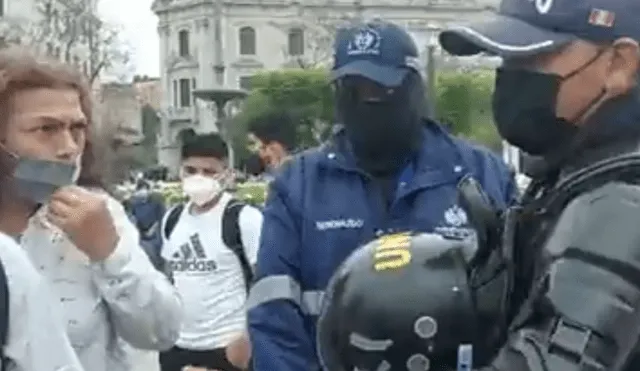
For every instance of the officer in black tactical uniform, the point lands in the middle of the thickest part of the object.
(566, 261)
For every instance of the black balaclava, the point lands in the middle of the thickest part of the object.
(384, 134)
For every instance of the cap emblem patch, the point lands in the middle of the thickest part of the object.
(365, 42)
(542, 6)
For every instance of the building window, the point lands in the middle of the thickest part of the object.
(194, 86)
(185, 93)
(175, 93)
(1, 8)
(296, 42)
(245, 82)
(186, 134)
(247, 38)
(183, 43)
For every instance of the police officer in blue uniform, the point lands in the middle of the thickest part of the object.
(564, 274)
(388, 168)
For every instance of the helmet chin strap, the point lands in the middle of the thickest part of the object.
(586, 127)
(582, 118)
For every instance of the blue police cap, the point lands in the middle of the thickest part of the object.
(379, 51)
(523, 28)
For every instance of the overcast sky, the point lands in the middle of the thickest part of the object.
(139, 31)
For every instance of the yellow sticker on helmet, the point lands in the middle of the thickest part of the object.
(392, 252)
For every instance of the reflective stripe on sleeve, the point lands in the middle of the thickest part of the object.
(283, 287)
(312, 302)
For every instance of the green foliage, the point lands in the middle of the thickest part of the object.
(252, 193)
(306, 94)
(172, 194)
(464, 102)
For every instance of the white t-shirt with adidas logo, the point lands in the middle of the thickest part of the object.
(208, 275)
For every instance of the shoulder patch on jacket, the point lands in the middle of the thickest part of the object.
(602, 222)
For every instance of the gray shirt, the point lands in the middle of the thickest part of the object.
(37, 338)
(121, 300)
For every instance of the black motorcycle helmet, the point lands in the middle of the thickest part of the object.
(399, 303)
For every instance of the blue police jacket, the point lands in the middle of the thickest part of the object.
(146, 213)
(321, 207)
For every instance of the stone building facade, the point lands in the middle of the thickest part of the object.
(242, 37)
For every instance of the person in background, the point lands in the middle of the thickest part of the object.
(210, 247)
(36, 339)
(147, 209)
(274, 136)
(77, 236)
(389, 169)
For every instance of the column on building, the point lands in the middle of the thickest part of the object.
(206, 115)
(165, 81)
(166, 145)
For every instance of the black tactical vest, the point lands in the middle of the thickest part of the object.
(539, 210)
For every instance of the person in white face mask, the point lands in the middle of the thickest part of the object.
(210, 246)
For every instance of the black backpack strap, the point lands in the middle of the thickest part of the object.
(4, 315)
(170, 220)
(231, 236)
(167, 226)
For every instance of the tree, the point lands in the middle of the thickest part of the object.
(305, 94)
(72, 31)
(464, 103)
(318, 40)
(150, 128)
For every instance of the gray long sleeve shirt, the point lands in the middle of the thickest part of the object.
(37, 339)
(123, 298)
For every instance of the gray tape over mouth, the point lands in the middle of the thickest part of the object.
(369, 345)
(37, 180)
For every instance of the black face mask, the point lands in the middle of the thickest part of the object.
(255, 165)
(524, 108)
(385, 133)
